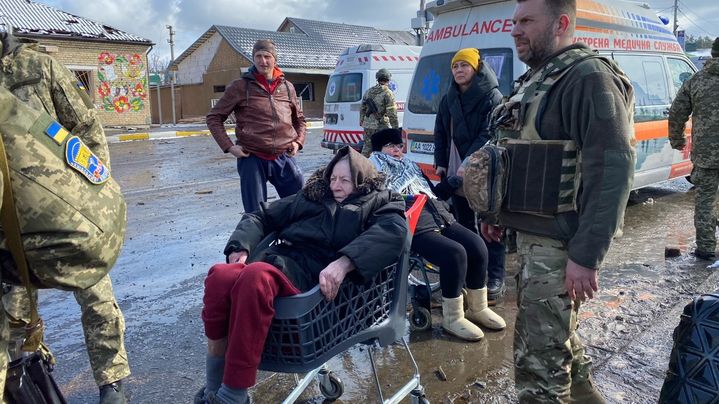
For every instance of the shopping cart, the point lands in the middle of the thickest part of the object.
(307, 330)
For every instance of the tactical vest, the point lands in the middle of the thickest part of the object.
(72, 214)
(544, 175)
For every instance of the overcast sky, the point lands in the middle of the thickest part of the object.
(191, 18)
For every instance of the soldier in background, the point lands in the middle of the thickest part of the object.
(699, 97)
(46, 85)
(378, 110)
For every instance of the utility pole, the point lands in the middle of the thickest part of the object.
(172, 71)
(676, 24)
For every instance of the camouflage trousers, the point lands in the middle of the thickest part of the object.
(102, 322)
(706, 181)
(367, 147)
(549, 361)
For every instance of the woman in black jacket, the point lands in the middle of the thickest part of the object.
(460, 254)
(342, 224)
(461, 128)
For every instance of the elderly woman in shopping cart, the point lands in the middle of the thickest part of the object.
(343, 223)
(460, 253)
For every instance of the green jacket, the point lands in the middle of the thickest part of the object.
(592, 106)
(386, 115)
(699, 96)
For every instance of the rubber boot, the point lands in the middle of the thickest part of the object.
(453, 320)
(478, 310)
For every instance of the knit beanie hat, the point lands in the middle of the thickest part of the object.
(469, 55)
(265, 45)
(715, 48)
(386, 136)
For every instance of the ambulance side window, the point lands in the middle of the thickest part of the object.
(679, 71)
(649, 79)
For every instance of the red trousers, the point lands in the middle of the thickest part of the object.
(238, 304)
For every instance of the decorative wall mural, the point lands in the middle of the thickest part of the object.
(122, 82)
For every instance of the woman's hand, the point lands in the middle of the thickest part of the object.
(332, 276)
(237, 257)
(491, 232)
(440, 171)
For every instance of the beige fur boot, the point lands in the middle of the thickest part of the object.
(453, 320)
(479, 312)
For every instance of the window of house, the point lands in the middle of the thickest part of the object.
(305, 91)
(218, 89)
(84, 77)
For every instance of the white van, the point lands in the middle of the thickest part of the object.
(632, 35)
(354, 74)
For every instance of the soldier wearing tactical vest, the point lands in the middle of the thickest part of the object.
(44, 84)
(566, 201)
(378, 110)
(698, 98)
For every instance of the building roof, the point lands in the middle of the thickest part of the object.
(312, 45)
(30, 19)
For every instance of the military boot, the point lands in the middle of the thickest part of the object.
(585, 393)
(113, 393)
(479, 312)
(453, 320)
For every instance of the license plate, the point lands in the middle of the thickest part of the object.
(422, 147)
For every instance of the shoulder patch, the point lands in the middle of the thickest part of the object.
(82, 159)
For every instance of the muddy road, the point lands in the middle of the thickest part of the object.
(184, 200)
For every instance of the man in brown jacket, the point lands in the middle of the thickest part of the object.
(270, 128)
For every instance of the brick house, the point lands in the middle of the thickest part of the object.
(307, 52)
(112, 64)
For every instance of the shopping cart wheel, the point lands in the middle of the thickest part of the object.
(420, 319)
(333, 388)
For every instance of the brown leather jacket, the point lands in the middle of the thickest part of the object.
(266, 123)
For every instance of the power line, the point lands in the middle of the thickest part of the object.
(694, 23)
(685, 7)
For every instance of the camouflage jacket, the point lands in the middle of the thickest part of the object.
(386, 115)
(699, 96)
(45, 84)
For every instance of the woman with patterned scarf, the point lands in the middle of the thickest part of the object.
(460, 253)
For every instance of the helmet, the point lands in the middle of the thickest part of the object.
(383, 75)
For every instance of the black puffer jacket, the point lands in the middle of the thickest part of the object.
(369, 227)
(469, 113)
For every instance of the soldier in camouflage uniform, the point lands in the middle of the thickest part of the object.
(580, 105)
(699, 97)
(46, 85)
(381, 115)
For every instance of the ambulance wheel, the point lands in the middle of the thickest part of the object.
(420, 319)
(336, 387)
(693, 354)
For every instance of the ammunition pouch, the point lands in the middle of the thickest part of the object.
(485, 181)
(543, 176)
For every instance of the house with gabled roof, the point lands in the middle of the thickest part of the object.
(110, 63)
(307, 52)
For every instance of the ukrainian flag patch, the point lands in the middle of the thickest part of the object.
(82, 159)
(57, 132)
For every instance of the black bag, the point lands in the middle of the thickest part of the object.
(29, 381)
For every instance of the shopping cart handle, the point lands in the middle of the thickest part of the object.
(298, 305)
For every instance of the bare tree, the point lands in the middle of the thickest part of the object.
(157, 63)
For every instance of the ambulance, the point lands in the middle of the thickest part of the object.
(355, 74)
(632, 35)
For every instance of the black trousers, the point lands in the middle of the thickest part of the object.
(460, 254)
